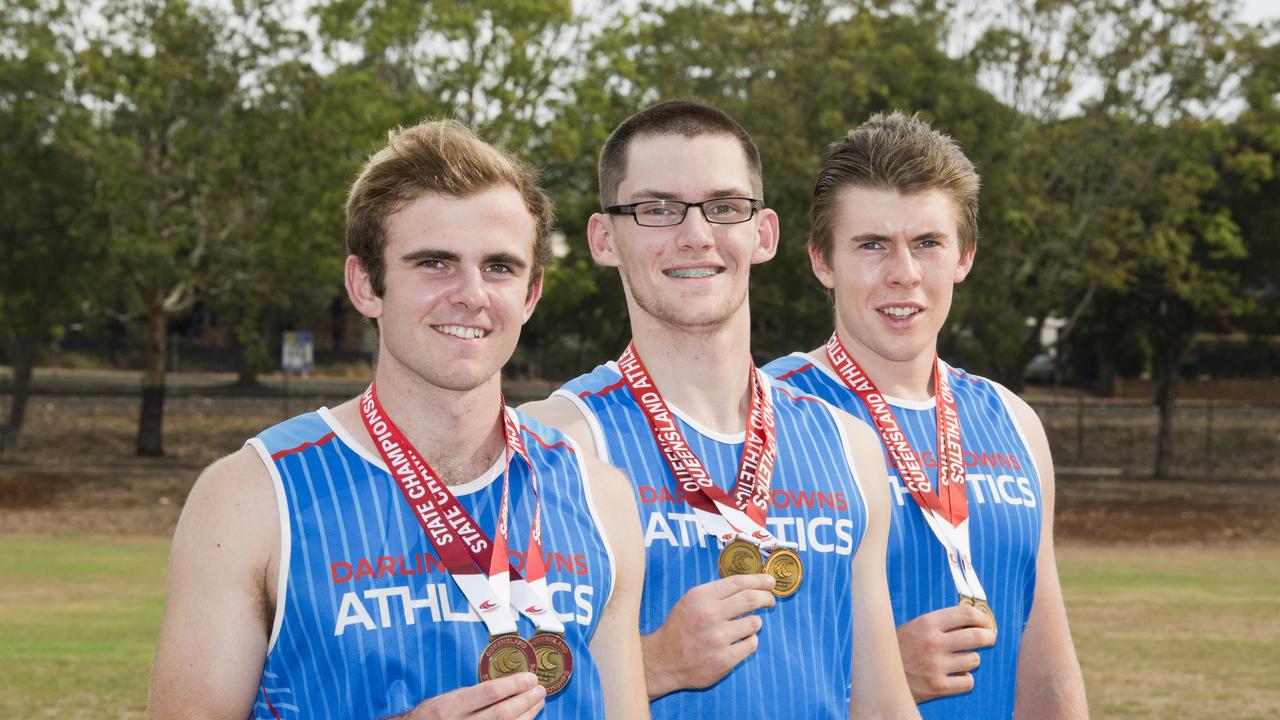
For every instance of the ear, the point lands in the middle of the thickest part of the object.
(767, 233)
(535, 294)
(966, 263)
(360, 289)
(600, 240)
(821, 269)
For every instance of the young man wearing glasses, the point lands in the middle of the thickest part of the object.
(982, 627)
(765, 592)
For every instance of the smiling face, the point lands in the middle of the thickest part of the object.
(893, 265)
(457, 287)
(694, 275)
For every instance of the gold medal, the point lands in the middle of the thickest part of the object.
(787, 570)
(505, 655)
(966, 601)
(554, 661)
(739, 558)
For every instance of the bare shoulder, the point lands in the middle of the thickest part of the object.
(562, 414)
(608, 482)
(232, 505)
(862, 437)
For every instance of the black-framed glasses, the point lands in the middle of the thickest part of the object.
(665, 213)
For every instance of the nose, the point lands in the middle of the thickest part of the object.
(467, 290)
(904, 269)
(695, 233)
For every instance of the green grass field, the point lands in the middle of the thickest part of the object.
(1184, 632)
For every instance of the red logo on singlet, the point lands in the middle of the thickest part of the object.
(488, 606)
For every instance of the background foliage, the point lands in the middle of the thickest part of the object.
(175, 163)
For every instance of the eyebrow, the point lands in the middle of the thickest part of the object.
(651, 194)
(450, 256)
(877, 237)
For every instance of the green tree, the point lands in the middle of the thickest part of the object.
(47, 242)
(167, 81)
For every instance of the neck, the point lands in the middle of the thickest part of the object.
(458, 432)
(704, 372)
(910, 379)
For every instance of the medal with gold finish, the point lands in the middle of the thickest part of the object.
(966, 601)
(553, 661)
(787, 570)
(505, 655)
(739, 558)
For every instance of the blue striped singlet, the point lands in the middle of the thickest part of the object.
(1004, 522)
(368, 623)
(805, 651)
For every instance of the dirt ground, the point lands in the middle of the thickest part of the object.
(75, 472)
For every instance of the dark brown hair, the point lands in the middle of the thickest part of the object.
(673, 117)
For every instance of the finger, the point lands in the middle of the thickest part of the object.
(742, 649)
(493, 692)
(969, 638)
(742, 628)
(524, 705)
(746, 601)
(961, 682)
(724, 587)
(955, 617)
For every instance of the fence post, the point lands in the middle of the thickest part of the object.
(1208, 435)
(1080, 429)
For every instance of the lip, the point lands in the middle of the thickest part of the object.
(460, 331)
(896, 321)
(693, 272)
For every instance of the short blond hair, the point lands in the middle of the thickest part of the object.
(435, 157)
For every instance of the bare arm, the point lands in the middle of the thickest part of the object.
(220, 596)
(879, 686)
(1050, 685)
(615, 646)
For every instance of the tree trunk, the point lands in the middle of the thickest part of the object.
(22, 358)
(151, 419)
(1171, 335)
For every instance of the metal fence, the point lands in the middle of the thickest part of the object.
(1211, 440)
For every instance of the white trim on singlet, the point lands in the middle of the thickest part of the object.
(895, 401)
(1003, 392)
(595, 517)
(479, 483)
(286, 533)
(597, 432)
(849, 460)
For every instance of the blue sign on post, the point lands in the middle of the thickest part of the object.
(297, 355)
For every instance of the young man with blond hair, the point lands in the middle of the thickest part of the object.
(972, 575)
(422, 550)
(764, 523)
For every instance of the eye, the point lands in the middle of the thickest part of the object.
(655, 209)
(431, 264)
(499, 269)
(721, 208)
(870, 245)
(928, 243)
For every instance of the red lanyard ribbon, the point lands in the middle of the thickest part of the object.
(743, 514)
(480, 566)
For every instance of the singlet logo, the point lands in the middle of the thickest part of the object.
(401, 605)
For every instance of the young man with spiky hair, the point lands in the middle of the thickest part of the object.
(764, 523)
(422, 550)
(972, 575)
